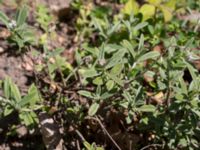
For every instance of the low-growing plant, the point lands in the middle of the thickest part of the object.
(43, 17)
(88, 14)
(140, 70)
(145, 82)
(55, 63)
(21, 34)
(25, 106)
(45, 21)
(92, 146)
(149, 9)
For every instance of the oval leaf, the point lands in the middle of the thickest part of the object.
(147, 11)
(4, 18)
(147, 108)
(93, 109)
(167, 13)
(149, 55)
(154, 2)
(85, 93)
(131, 7)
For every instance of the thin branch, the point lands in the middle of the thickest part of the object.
(80, 135)
(78, 145)
(104, 129)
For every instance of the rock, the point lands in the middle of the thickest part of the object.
(1, 50)
(51, 135)
(21, 131)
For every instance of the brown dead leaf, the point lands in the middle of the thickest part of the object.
(28, 66)
(52, 60)
(148, 78)
(158, 98)
(1, 50)
(197, 64)
(69, 54)
(53, 110)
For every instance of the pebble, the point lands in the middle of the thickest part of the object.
(1, 50)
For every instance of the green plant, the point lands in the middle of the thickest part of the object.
(136, 76)
(133, 77)
(43, 17)
(55, 63)
(149, 9)
(89, 13)
(21, 34)
(92, 146)
(12, 101)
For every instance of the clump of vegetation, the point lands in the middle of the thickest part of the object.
(134, 78)
(21, 34)
(12, 101)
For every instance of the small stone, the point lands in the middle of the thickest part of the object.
(22, 131)
(1, 50)
(28, 66)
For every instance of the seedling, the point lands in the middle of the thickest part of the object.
(23, 105)
(21, 34)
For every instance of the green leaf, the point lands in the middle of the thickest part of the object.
(6, 87)
(78, 57)
(98, 92)
(183, 86)
(114, 28)
(86, 93)
(110, 48)
(110, 84)
(140, 26)
(171, 4)
(31, 98)
(149, 55)
(147, 108)
(182, 142)
(11, 90)
(93, 51)
(56, 52)
(141, 43)
(96, 22)
(106, 95)
(138, 94)
(147, 11)
(128, 97)
(99, 148)
(129, 47)
(26, 118)
(88, 73)
(117, 69)
(8, 110)
(166, 12)
(21, 15)
(116, 58)
(93, 109)
(131, 7)
(29, 36)
(115, 79)
(197, 112)
(154, 2)
(4, 18)
(87, 145)
(98, 81)
(192, 70)
(15, 92)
